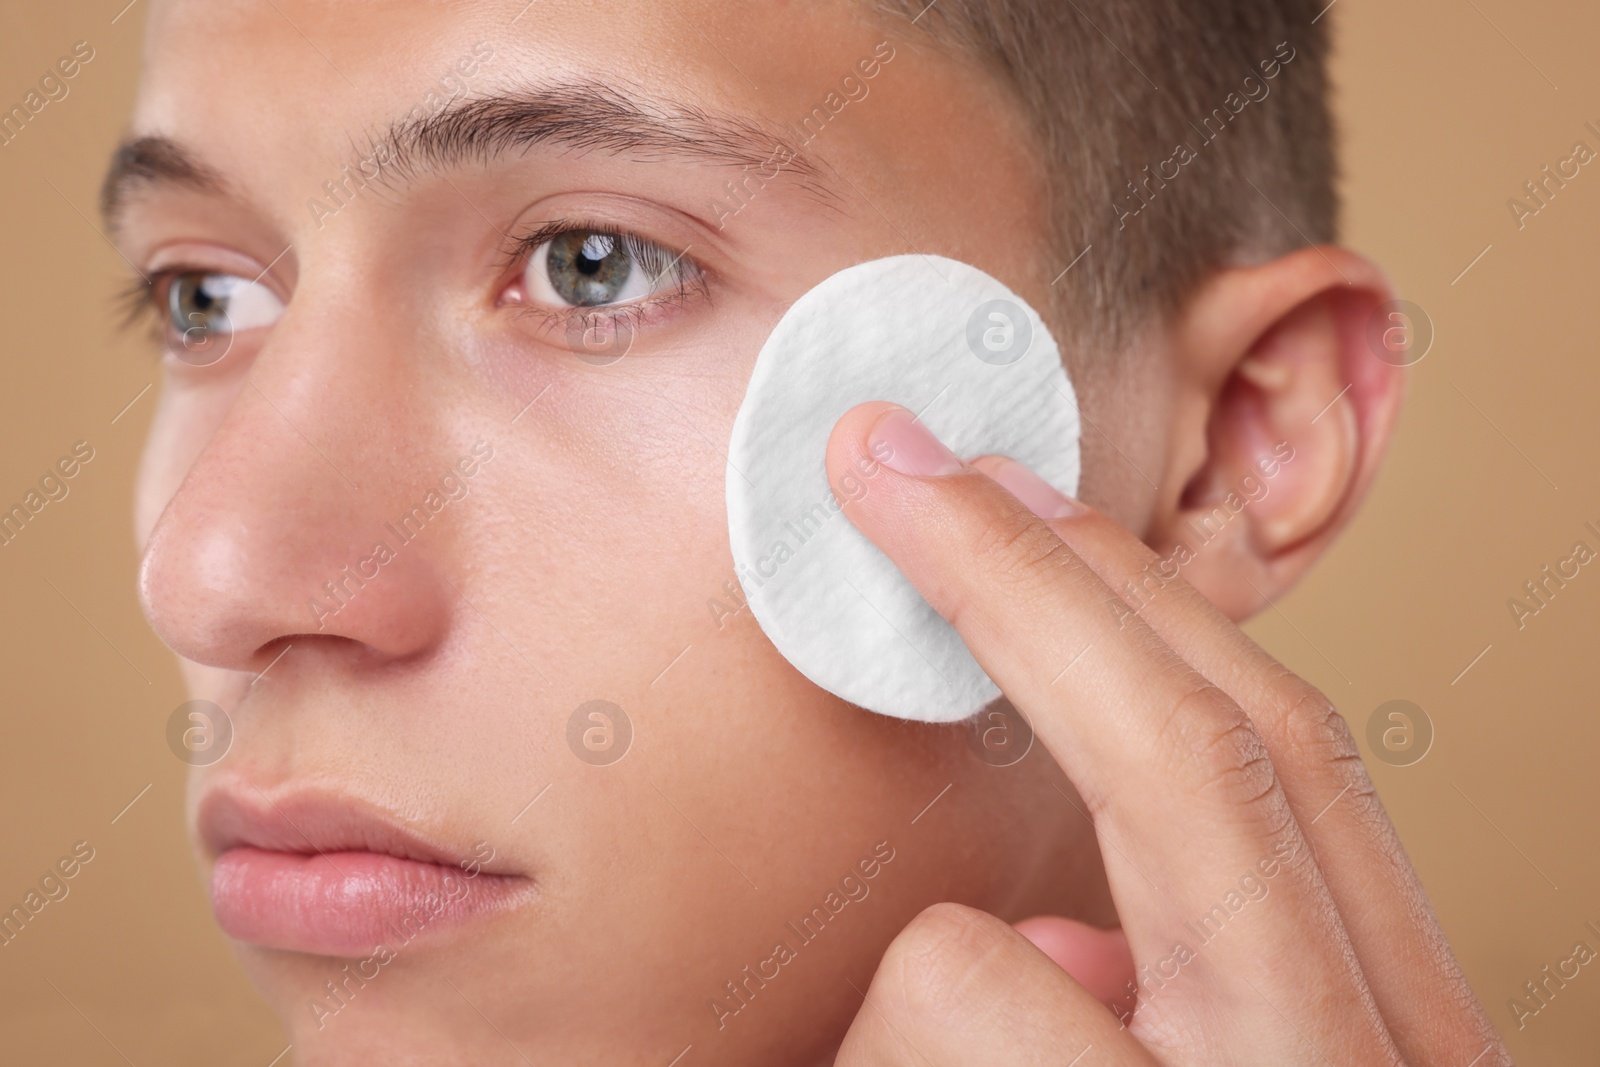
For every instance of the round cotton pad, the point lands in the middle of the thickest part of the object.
(980, 369)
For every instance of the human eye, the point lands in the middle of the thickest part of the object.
(588, 273)
(219, 303)
(197, 312)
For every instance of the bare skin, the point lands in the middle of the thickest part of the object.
(1268, 907)
(386, 333)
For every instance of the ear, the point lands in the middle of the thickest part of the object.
(1283, 412)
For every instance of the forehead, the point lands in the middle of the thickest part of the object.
(316, 71)
(358, 56)
(268, 88)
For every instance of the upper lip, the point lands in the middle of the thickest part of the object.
(314, 822)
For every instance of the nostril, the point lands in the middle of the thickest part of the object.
(272, 649)
(260, 549)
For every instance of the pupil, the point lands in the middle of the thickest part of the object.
(595, 249)
(587, 268)
(197, 303)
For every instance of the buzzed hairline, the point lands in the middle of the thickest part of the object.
(1179, 136)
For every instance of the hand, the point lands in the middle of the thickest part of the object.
(1270, 911)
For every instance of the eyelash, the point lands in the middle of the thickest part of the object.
(690, 279)
(142, 300)
(136, 303)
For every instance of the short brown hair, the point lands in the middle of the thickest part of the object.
(1116, 90)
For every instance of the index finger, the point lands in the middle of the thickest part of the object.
(1404, 957)
(1178, 781)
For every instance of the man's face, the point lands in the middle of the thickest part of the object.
(418, 515)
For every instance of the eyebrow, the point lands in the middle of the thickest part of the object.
(580, 116)
(148, 161)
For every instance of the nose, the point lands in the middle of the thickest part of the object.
(299, 519)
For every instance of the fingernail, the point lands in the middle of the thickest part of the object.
(901, 443)
(1036, 494)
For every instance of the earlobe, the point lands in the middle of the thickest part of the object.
(1296, 414)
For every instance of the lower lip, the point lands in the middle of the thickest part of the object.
(345, 903)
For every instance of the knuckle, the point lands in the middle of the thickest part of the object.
(1310, 726)
(1226, 754)
(941, 957)
(1310, 732)
(1013, 556)
(1015, 549)
(1237, 769)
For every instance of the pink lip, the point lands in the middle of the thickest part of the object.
(331, 877)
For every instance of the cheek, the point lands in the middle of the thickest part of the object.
(604, 521)
(1130, 401)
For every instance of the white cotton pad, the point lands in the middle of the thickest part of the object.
(978, 366)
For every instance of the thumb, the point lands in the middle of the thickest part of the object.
(959, 987)
(1100, 960)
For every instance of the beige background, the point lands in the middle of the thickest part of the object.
(1493, 476)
